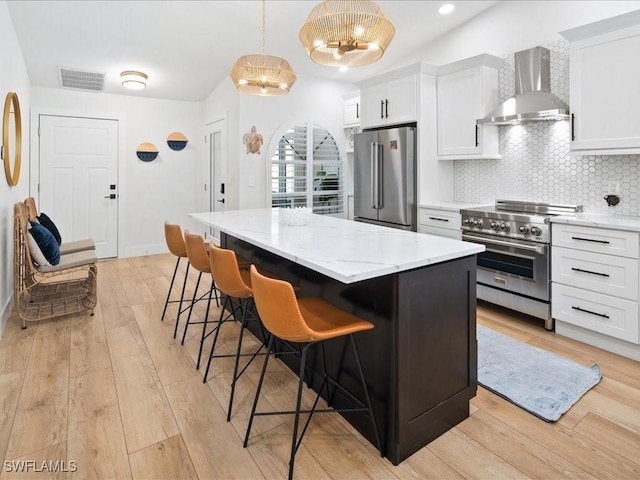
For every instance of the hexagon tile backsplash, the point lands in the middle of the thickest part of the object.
(536, 165)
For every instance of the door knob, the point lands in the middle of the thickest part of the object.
(220, 201)
(111, 196)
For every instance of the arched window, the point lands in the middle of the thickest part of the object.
(307, 171)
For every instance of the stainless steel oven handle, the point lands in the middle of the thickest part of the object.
(530, 248)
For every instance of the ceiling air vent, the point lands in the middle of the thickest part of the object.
(83, 80)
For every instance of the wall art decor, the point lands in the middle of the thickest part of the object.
(12, 138)
(147, 152)
(253, 141)
(177, 141)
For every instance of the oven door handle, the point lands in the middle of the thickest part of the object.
(540, 249)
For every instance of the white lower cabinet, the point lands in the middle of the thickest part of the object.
(443, 223)
(595, 286)
(608, 274)
(600, 313)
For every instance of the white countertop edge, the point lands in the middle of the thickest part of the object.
(628, 223)
(472, 250)
(388, 270)
(364, 269)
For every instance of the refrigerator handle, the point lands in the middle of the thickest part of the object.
(380, 179)
(373, 150)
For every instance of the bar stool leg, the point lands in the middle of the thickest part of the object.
(193, 302)
(294, 440)
(227, 301)
(243, 323)
(215, 291)
(236, 375)
(204, 327)
(184, 287)
(255, 400)
(173, 279)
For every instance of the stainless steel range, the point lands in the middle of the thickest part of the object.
(514, 271)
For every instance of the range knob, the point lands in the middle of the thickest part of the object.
(477, 223)
(494, 225)
(466, 221)
(524, 230)
(504, 227)
(536, 231)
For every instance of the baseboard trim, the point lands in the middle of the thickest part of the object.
(144, 250)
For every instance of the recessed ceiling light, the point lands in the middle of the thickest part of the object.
(446, 8)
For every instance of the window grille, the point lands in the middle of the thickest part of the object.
(307, 171)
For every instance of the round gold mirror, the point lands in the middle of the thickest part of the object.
(12, 138)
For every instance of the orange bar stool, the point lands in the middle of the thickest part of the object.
(235, 285)
(175, 243)
(308, 321)
(199, 260)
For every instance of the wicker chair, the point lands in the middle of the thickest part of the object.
(66, 247)
(43, 292)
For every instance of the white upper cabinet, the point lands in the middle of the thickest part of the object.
(389, 103)
(351, 109)
(467, 91)
(604, 81)
(351, 117)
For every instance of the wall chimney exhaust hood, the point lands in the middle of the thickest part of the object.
(533, 99)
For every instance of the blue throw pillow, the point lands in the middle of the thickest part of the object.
(47, 243)
(47, 223)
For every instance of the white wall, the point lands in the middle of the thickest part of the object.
(511, 26)
(13, 78)
(310, 98)
(223, 103)
(150, 193)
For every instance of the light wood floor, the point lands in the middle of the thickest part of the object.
(116, 395)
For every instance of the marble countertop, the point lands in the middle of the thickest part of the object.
(615, 222)
(345, 250)
(454, 206)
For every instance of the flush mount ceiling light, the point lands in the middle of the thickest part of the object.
(133, 80)
(261, 74)
(351, 33)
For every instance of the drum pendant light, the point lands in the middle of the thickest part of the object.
(261, 74)
(346, 33)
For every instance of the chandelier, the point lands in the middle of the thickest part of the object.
(348, 33)
(261, 74)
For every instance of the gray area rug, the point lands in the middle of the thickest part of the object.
(541, 382)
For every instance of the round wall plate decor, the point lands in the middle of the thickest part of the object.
(177, 141)
(147, 152)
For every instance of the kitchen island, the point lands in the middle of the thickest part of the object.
(419, 292)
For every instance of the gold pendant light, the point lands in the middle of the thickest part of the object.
(348, 33)
(261, 74)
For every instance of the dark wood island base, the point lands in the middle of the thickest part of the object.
(420, 360)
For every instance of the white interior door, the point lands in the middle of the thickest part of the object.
(78, 179)
(217, 182)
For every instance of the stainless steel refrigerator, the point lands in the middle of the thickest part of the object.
(385, 177)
